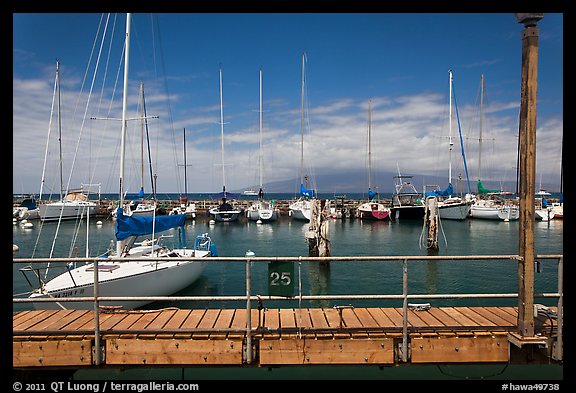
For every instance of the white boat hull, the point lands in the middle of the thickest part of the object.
(301, 210)
(263, 211)
(510, 213)
(129, 278)
(454, 211)
(69, 210)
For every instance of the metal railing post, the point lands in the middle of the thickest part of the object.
(97, 349)
(405, 310)
(248, 315)
(560, 310)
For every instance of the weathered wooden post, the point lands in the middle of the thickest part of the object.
(317, 235)
(527, 161)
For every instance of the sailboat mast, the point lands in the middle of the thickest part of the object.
(481, 116)
(185, 177)
(142, 139)
(222, 134)
(260, 157)
(450, 133)
(119, 244)
(369, 144)
(302, 126)
(59, 129)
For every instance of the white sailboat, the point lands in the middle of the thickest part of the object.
(490, 204)
(261, 210)
(450, 206)
(225, 212)
(142, 277)
(373, 209)
(186, 207)
(75, 203)
(301, 209)
(144, 207)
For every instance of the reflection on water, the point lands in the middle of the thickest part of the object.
(319, 279)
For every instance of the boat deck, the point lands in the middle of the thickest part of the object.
(65, 338)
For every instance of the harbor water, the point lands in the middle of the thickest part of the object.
(348, 237)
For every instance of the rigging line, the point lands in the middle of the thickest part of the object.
(461, 143)
(86, 107)
(101, 146)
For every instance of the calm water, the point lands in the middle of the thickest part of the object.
(348, 238)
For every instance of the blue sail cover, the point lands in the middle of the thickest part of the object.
(441, 193)
(305, 192)
(371, 194)
(127, 226)
(141, 193)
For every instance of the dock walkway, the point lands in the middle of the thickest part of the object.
(285, 336)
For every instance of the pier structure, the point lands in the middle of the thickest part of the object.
(267, 334)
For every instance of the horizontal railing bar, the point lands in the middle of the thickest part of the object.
(265, 297)
(289, 259)
(285, 259)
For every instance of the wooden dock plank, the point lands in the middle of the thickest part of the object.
(209, 319)
(478, 318)
(35, 318)
(381, 318)
(395, 315)
(428, 319)
(176, 320)
(462, 319)
(368, 336)
(145, 320)
(446, 320)
(287, 318)
(173, 352)
(511, 314)
(331, 351)
(61, 323)
(193, 319)
(365, 318)
(51, 353)
(318, 318)
(415, 318)
(495, 315)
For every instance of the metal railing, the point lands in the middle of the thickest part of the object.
(248, 260)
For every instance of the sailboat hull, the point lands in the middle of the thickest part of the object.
(134, 278)
(495, 212)
(454, 211)
(67, 210)
(225, 215)
(373, 211)
(301, 210)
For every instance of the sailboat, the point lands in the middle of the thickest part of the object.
(301, 209)
(225, 212)
(373, 209)
(75, 203)
(143, 207)
(261, 210)
(450, 206)
(186, 207)
(490, 204)
(164, 275)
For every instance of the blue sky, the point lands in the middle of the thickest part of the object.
(399, 61)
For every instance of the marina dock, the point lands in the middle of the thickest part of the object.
(321, 336)
(261, 336)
